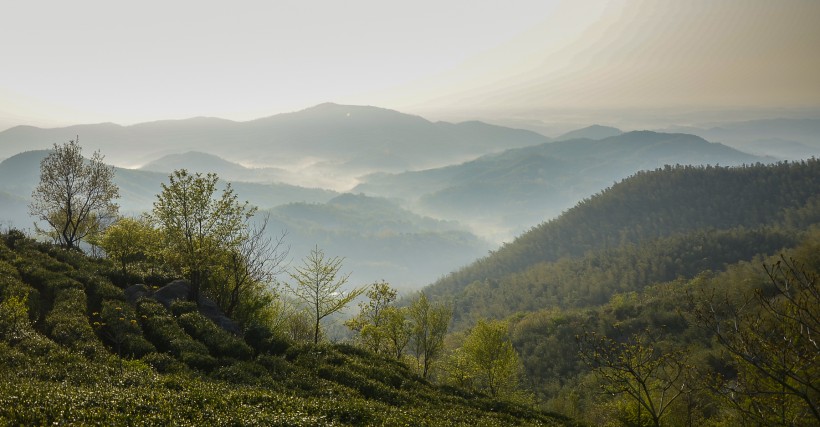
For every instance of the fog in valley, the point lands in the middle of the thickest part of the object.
(401, 198)
(460, 213)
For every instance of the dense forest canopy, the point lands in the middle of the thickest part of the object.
(656, 204)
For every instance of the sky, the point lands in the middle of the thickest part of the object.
(91, 61)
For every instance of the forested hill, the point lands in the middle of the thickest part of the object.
(670, 203)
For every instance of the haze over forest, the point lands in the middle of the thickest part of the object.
(551, 169)
(248, 89)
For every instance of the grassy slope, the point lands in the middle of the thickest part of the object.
(58, 366)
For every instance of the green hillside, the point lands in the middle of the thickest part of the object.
(745, 202)
(74, 352)
(720, 383)
(692, 289)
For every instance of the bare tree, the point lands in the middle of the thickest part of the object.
(74, 196)
(772, 339)
(651, 377)
(257, 259)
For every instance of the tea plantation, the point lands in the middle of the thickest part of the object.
(73, 351)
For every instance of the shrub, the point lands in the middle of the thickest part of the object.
(68, 325)
(118, 326)
(163, 362)
(11, 286)
(163, 331)
(264, 341)
(241, 373)
(220, 342)
(15, 238)
(14, 322)
(277, 367)
(202, 362)
(180, 307)
(97, 288)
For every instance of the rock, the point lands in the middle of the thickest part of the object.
(210, 310)
(180, 290)
(135, 292)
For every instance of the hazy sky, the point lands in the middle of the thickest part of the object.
(126, 62)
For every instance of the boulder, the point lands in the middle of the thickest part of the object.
(180, 290)
(135, 292)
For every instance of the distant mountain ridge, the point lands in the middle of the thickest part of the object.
(590, 132)
(336, 140)
(197, 161)
(520, 187)
(782, 138)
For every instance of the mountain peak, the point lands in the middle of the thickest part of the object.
(595, 132)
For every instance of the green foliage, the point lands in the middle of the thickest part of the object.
(380, 329)
(771, 341)
(651, 227)
(68, 325)
(492, 363)
(14, 322)
(162, 330)
(117, 324)
(163, 362)
(197, 226)
(131, 242)
(651, 377)
(186, 370)
(220, 343)
(428, 326)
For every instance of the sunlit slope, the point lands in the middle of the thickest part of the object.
(73, 351)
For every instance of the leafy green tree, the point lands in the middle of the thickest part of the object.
(491, 355)
(74, 196)
(396, 329)
(372, 321)
(198, 225)
(652, 377)
(130, 241)
(428, 326)
(318, 284)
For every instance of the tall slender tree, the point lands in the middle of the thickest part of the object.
(318, 283)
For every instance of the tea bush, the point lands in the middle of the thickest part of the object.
(162, 330)
(220, 343)
(67, 323)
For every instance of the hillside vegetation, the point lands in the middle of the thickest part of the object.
(654, 223)
(74, 352)
(680, 296)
